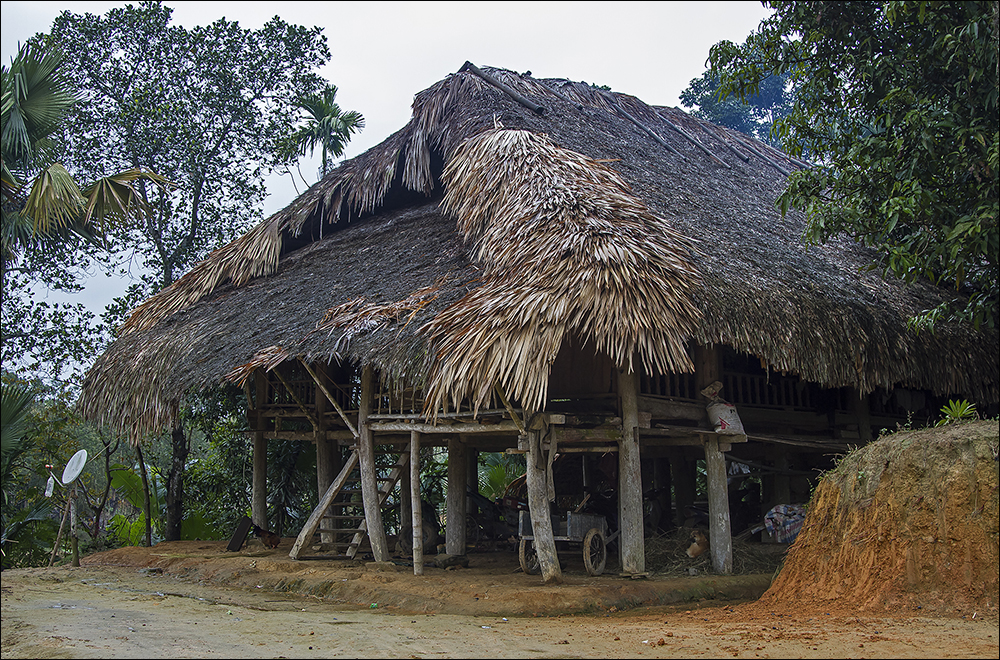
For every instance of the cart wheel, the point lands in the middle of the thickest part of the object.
(528, 557)
(595, 552)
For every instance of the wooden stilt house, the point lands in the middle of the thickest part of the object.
(545, 267)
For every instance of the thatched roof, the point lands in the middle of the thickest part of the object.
(465, 248)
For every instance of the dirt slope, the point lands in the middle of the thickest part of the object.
(907, 523)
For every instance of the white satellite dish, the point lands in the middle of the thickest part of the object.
(74, 467)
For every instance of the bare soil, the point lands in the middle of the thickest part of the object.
(898, 558)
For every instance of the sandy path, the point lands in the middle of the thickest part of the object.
(124, 613)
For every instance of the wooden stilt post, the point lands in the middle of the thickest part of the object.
(538, 506)
(325, 462)
(719, 531)
(632, 547)
(258, 495)
(416, 510)
(708, 369)
(458, 474)
(369, 481)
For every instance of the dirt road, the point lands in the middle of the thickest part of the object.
(125, 612)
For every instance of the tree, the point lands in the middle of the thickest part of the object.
(755, 116)
(209, 106)
(326, 127)
(47, 217)
(897, 103)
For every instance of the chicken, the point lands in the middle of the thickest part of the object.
(270, 539)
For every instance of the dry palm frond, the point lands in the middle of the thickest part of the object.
(354, 317)
(567, 251)
(265, 359)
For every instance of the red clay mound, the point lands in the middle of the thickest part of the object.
(906, 524)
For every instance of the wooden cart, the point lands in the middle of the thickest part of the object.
(587, 529)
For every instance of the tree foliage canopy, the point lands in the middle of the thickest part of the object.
(755, 115)
(205, 107)
(896, 102)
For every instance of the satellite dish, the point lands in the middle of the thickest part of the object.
(74, 467)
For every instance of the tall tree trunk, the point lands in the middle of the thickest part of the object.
(175, 484)
(99, 509)
(146, 509)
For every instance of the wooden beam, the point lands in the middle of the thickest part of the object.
(568, 434)
(458, 473)
(415, 505)
(298, 402)
(369, 482)
(504, 426)
(510, 410)
(330, 398)
(631, 545)
(531, 105)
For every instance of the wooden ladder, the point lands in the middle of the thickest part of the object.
(329, 501)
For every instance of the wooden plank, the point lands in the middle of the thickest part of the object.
(565, 434)
(631, 546)
(312, 523)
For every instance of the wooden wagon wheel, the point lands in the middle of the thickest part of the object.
(595, 552)
(528, 557)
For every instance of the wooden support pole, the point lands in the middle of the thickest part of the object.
(417, 511)
(325, 461)
(458, 473)
(632, 549)
(719, 529)
(369, 480)
(708, 369)
(405, 514)
(538, 507)
(258, 496)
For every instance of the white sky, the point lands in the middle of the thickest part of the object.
(385, 52)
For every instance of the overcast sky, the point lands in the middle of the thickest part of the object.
(385, 52)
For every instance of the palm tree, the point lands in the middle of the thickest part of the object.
(41, 200)
(327, 127)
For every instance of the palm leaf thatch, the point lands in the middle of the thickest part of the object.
(565, 250)
(468, 246)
